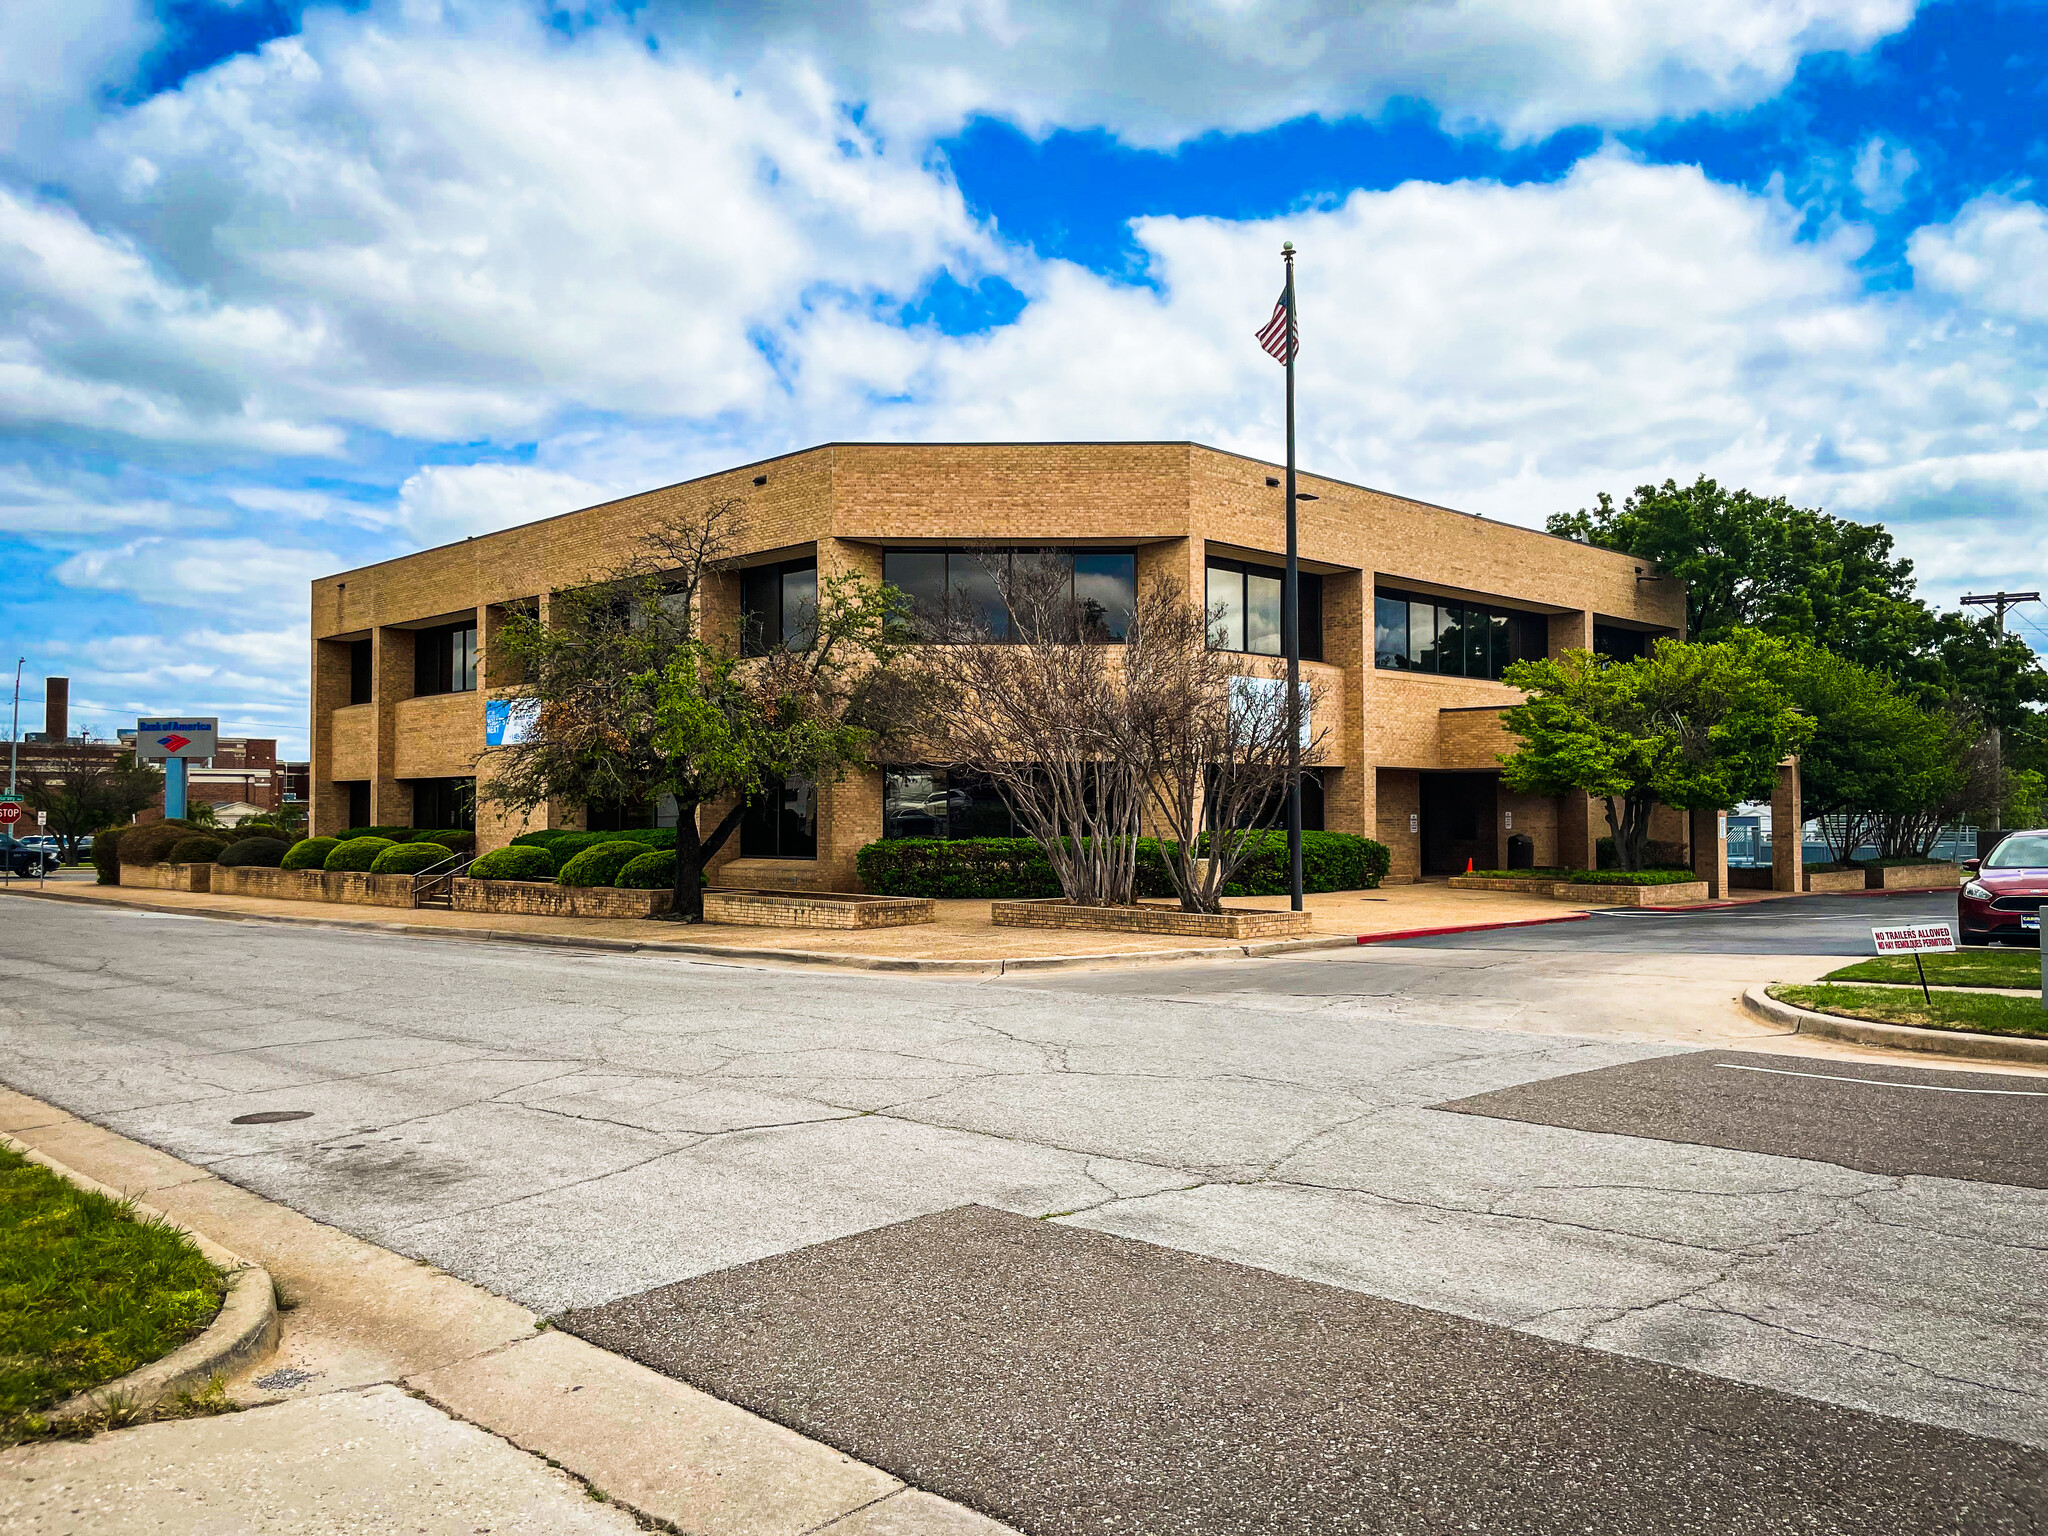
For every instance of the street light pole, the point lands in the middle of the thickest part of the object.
(1290, 617)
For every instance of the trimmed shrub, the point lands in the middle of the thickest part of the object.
(389, 834)
(564, 843)
(983, 868)
(255, 853)
(654, 870)
(356, 854)
(309, 853)
(514, 863)
(197, 848)
(1629, 876)
(408, 858)
(599, 865)
(1330, 861)
(454, 839)
(106, 853)
(152, 844)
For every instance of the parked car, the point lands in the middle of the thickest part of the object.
(2002, 897)
(18, 858)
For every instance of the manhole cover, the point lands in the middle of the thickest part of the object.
(272, 1117)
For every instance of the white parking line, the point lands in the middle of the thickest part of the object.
(1878, 1082)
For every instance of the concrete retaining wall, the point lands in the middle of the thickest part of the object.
(1824, 880)
(1907, 877)
(777, 909)
(533, 898)
(275, 884)
(1685, 893)
(1058, 912)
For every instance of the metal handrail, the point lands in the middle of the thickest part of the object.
(425, 879)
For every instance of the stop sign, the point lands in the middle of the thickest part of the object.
(10, 813)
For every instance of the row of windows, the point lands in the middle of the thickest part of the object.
(955, 591)
(955, 803)
(1244, 604)
(1412, 633)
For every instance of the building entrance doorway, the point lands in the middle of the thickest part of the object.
(1459, 814)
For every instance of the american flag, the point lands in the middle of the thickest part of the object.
(1280, 338)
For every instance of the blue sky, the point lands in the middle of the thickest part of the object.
(286, 289)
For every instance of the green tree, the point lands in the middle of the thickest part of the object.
(87, 793)
(1693, 726)
(638, 697)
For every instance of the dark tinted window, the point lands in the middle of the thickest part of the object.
(1452, 639)
(440, 804)
(951, 588)
(1244, 608)
(361, 687)
(778, 606)
(358, 803)
(444, 660)
(941, 802)
(1618, 644)
(782, 823)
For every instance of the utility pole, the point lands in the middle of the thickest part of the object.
(1998, 602)
(14, 730)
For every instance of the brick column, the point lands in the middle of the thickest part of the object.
(1788, 830)
(1710, 850)
(391, 674)
(327, 802)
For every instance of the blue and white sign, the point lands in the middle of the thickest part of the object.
(158, 740)
(509, 722)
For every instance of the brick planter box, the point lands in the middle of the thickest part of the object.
(367, 890)
(168, 877)
(1822, 880)
(540, 898)
(1058, 912)
(816, 909)
(276, 884)
(1906, 877)
(1684, 893)
(1479, 883)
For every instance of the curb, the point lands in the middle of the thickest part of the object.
(244, 1331)
(1430, 933)
(1906, 1037)
(844, 962)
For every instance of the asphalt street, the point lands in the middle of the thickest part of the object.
(575, 1129)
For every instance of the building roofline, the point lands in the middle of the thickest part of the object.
(797, 453)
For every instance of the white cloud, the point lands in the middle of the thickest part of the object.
(1881, 173)
(1994, 254)
(443, 503)
(1163, 71)
(245, 574)
(76, 503)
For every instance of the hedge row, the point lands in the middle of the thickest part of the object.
(1015, 868)
(1592, 876)
(562, 844)
(454, 839)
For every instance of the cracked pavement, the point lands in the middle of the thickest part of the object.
(569, 1129)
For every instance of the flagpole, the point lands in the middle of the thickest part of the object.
(1290, 618)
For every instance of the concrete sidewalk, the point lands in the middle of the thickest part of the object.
(962, 941)
(402, 1398)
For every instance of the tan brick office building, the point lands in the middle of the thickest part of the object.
(1410, 612)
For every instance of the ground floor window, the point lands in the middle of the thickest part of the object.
(621, 816)
(782, 823)
(1274, 812)
(442, 804)
(944, 802)
(358, 802)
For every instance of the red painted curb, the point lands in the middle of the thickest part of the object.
(1429, 933)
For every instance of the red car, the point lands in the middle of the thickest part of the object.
(2002, 898)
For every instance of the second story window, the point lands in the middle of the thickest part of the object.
(361, 661)
(962, 589)
(1244, 609)
(444, 660)
(778, 606)
(1412, 633)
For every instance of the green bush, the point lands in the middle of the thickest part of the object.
(152, 844)
(1897, 861)
(197, 848)
(983, 868)
(1627, 877)
(389, 834)
(309, 853)
(255, 853)
(564, 843)
(599, 865)
(356, 854)
(654, 870)
(1330, 861)
(454, 839)
(106, 853)
(408, 858)
(514, 863)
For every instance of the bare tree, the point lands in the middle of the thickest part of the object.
(1210, 730)
(1036, 703)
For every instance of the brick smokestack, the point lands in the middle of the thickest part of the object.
(56, 708)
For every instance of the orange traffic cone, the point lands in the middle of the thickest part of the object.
(1468, 866)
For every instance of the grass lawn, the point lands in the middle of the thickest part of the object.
(1965, 968)
(87, 1291)
(1982, 1013)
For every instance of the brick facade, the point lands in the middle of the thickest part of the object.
(1174, 504)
